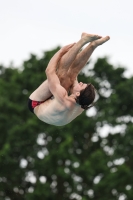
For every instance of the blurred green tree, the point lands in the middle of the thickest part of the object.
(90, 158)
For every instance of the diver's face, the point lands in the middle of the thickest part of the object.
(78, 87)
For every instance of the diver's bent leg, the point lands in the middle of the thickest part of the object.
(67, 60)
(42, 93)
(83, 57)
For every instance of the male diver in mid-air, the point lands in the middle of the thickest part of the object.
(51, 101)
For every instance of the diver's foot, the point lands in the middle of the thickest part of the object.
(100, 41)
(90, 37)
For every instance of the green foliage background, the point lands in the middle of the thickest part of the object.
(40, 161)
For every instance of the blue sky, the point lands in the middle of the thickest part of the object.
(33, 26)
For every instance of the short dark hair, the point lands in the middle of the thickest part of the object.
(86, 97)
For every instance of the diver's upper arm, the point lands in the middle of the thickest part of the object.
(54, 86)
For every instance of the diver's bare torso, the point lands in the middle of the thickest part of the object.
(58, 114)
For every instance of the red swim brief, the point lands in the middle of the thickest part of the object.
(32, 104)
